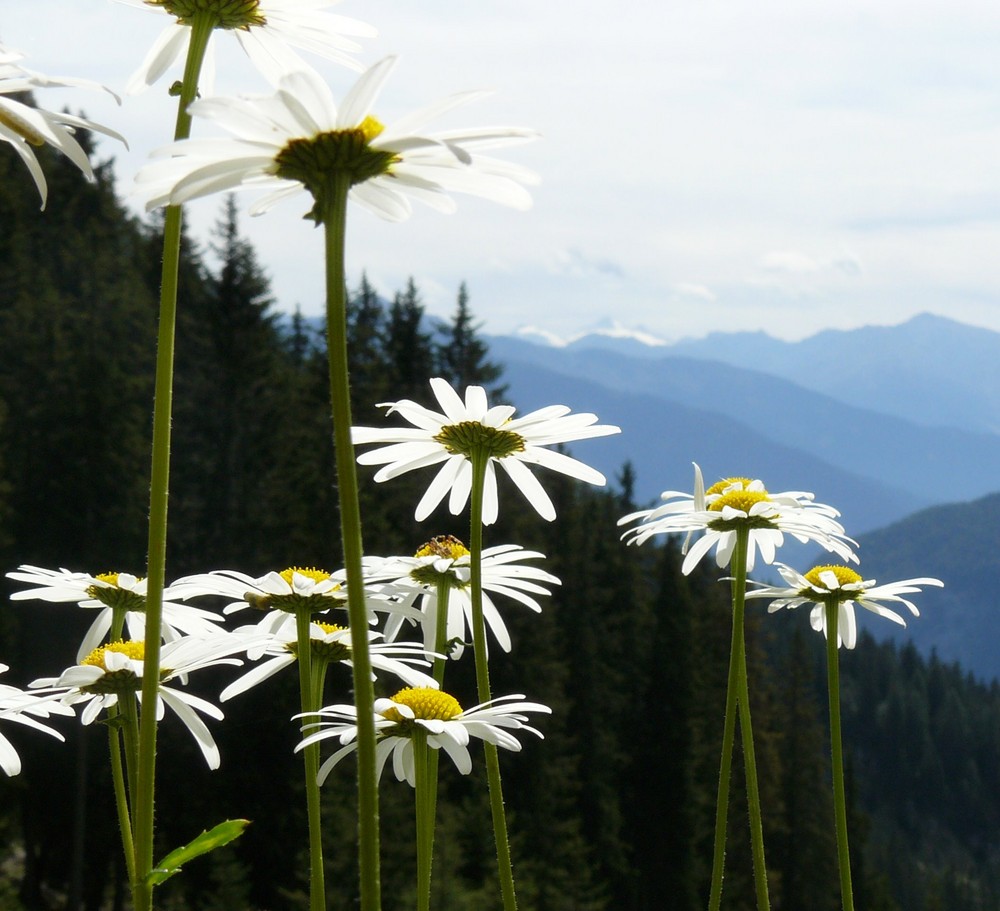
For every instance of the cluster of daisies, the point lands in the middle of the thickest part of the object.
(429, 591)
(402, 591)
(716, 514)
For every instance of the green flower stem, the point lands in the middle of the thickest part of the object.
(142, 894)
(443, 595)
(737, 698)
(310, 703)
(130, 730)
(335, 222)
(441, 629)
(117, 770)
(505, 868)
(423, 802)
(121, 796)
(746, 728)
(837, 753)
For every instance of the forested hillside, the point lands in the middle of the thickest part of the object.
(613, 810)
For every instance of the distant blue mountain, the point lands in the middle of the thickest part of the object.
(661, 438)
(688, 409)
(881, 422)
(929, 370)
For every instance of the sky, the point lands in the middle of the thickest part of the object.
(719, 165)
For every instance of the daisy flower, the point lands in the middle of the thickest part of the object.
(24, 708)
(330, 644)
(435, 712)
(843, 587)
(280, 595)
(108, 593)
(267, 30)
(26, 127)
(114, 671)
(461, 429)
(445, 558)
(299, 140)
(739, 502)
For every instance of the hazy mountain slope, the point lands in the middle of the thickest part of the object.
(932, 464)
(957, 543)
(930, 370)
(661, 438)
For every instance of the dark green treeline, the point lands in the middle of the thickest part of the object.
(613, 810)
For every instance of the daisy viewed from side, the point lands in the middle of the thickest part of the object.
(463, 429)
(24, 708)
(267, 30)
(331, 644)
(435, 712)
(26, 127)
(730, 504)
(299, 140)
(280, 595)
(113, 672)
(444, 558)
(840, 586)
(109, 593)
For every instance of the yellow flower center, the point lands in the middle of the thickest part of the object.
(470, 437)
(845, 576)
(317, 575)
(339, 650)
(426, 704)
(447, 546)
(720, 486)
(110, 594)
(331, 628)
(742, 500)
(371, 127)
(121, 681)
(134, 649)
(293, 602)
(227, 13)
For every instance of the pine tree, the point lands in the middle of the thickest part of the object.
(461, 355)
(409, 352)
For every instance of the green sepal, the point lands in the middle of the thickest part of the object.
(221, 835)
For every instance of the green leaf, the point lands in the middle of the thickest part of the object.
(221, 835)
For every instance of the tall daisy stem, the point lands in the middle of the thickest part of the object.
(737, 699)
(121, 792)
(837, 755)
(505, 868)
(201, 30)
(310, 703)
(115, 723)
(746, 732)
(335, 222)
(423, 801)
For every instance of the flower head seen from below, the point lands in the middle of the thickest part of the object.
(719, 511)
(464, 429)
(108, 593)
(329, 644)
(113, 672)
(278, 595)
(24, 708)
(26, 127)
(842, 587)
(299, 140)
(445, 559)
(435, 713)
(267, 30)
